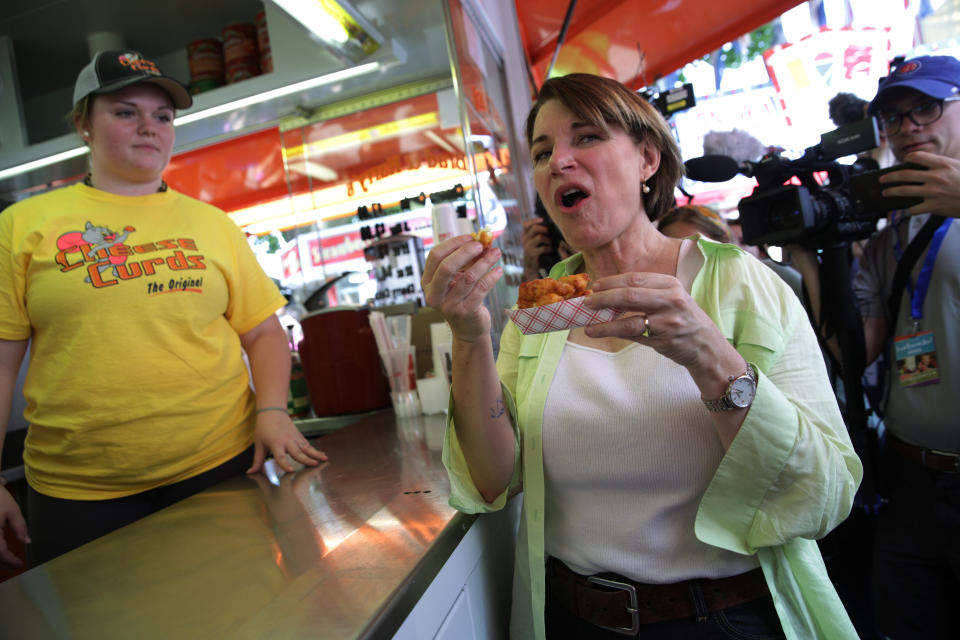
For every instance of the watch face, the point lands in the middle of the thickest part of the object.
(742, 391)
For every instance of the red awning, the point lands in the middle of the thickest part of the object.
(636, 41)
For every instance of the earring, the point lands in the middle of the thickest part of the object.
(645, 188)
(86, 134)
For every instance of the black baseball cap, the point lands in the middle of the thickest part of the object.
(935, 76)
(111, 71)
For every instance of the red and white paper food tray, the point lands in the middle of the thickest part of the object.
(560, 315)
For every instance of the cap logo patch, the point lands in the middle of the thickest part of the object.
(137, 63)
(908, 67)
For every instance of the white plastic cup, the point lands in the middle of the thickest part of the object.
(465, 226)
(434, 394)
(444, 219)
(406, 404)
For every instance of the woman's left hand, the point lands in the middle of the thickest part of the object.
(276, 435)
(662, 315)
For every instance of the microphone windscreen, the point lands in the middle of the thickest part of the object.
(712, 168)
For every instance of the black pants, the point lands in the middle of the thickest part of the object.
(917, 553)
(58, 526)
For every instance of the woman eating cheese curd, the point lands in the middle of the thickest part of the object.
(677, 463)
(138, 302)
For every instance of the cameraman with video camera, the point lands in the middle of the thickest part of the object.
(915, 312)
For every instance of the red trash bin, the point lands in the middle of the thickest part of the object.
(341, 362)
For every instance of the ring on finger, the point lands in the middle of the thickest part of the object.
(647, 331)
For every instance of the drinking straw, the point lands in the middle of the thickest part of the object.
(400, 327)
(380, 333)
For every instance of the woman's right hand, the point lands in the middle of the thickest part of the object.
(457, 277)
(11, 517)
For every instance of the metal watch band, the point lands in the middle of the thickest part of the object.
(720, 404)
(724, 403)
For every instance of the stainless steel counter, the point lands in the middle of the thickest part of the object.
(340, 551)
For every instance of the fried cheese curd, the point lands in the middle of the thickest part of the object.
(483, 236)
(537, 293)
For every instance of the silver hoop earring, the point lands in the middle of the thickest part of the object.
(645, 188)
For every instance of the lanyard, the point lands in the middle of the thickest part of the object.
(919, 294)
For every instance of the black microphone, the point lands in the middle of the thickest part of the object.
(712, 168)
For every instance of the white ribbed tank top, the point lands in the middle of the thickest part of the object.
(629, 450)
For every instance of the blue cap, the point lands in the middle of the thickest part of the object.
(935, 76)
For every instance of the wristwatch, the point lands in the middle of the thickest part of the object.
(740, 392)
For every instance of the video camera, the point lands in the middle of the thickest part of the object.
(672, 101)
(846, 206)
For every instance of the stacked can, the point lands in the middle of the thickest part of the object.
(240, 52)
(206, 64)
(263, 43)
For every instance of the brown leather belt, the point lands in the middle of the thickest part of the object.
(929, 458)
(616, 603)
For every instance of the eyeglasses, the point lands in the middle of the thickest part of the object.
(925, 113)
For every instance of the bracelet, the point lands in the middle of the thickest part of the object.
(284, 409)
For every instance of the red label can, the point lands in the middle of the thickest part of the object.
(206, 60)
(240, 43)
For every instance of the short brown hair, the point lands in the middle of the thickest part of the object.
(709, 222)
(603, 102)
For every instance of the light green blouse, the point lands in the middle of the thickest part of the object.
(788, 478)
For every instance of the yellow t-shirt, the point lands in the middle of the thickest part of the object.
(135, 306)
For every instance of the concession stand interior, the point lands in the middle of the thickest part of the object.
(343, 157)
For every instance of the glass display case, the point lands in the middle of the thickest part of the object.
(364, 175)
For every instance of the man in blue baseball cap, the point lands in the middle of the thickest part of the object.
(917, 552)
(908, 289)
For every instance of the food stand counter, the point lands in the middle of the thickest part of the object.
(364, 546)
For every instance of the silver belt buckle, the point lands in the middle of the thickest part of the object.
(634, 627)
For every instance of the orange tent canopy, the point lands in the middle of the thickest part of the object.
(636, 41)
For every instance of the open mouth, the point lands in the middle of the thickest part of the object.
(571, 197)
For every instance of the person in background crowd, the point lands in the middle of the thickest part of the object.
(846, 108)
(736, 237)
(917, 549)
(137, 301)
(786, 272)
(543, 246)
(677, 463)
(685, 221)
